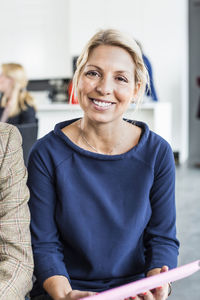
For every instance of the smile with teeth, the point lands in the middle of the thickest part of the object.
(101, 103)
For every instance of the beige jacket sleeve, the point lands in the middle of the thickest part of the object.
(16, 262)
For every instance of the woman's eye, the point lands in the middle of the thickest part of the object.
(92, 74)
(120, 78)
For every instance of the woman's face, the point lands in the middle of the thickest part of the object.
(6, 83)
(107, 83)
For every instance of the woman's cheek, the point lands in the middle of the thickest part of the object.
(124, 93)
(86, 85)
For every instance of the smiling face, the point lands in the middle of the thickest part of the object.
(107, 83)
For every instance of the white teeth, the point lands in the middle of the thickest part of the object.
(102, 104)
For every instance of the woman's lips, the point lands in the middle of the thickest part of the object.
(101, 104)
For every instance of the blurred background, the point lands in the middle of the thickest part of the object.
(46, 37)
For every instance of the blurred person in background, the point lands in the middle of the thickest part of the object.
(16, 261)
(16, 105)
(102, 188)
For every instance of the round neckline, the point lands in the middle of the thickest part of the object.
(58, 131)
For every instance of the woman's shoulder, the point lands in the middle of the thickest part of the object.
(161, 150)
(44, 142)
(7, 130)
(159, 142)
(51, 148)
(28, 115)
(28, 107)
(152, 147)
(150, 138)
(10, 138)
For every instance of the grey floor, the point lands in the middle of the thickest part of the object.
(188, 229)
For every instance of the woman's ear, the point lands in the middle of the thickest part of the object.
(136, 89)
(136, 92)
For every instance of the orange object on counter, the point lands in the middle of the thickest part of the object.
(72, 98)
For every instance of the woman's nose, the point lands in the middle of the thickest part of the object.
(105, 86)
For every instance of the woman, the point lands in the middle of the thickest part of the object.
(102, 188)
(16, 105)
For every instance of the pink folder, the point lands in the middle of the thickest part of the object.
(148, 283)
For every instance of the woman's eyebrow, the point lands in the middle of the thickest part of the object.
(118, 71)
(94, 66)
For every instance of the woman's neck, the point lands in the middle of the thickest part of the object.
(106, 138)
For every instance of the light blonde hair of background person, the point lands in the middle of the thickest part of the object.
(17, 73)
(113, 37)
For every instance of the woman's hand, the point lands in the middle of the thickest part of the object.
(59, 288)
(159, 293)
(75, 295)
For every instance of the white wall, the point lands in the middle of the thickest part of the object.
(35, 33)
(161, 27)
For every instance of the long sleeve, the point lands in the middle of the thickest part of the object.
(160, 242)
(43, 222)
(16, 263)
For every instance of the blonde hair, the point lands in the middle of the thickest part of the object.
(18, 75)
(113, 37)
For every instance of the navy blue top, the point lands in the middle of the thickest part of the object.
(101, 220)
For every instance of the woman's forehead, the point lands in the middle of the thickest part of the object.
(115, 56)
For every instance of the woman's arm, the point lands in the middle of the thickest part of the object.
(57, 287)
(47, 247)
(50, 268)
(161, 245)
(16, 263)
